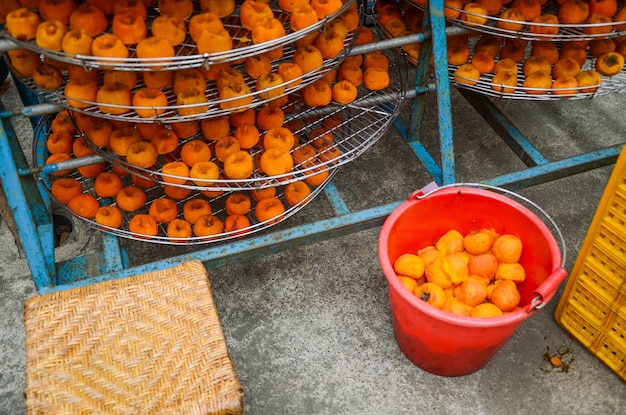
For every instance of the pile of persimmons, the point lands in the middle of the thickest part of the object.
(193, 153)
(468, 275)
(511, 64)
(62, 26)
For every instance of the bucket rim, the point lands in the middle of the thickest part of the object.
(510, 318)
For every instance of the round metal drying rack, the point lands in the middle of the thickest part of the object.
(528, 30)
(186, 54)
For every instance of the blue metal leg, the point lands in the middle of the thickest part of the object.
(438, 26)
(32, 219)
(432, 49)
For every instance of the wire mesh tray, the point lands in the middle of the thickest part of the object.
(186, 54)
(336, 133)
(486, 86)
(536, 30)
(174, 112)
(155, 191)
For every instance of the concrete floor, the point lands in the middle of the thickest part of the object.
(309, 329)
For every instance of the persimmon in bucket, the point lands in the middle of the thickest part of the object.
(446, 336)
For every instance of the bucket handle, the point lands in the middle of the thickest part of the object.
(555, 279)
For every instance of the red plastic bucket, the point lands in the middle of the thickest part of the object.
(443, 343)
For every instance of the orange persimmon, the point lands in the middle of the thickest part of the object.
(302, 16)
(344, 92)
(169, 27)
(179, 8)
(84, 205)
(251, 12)
(317, 94)
(22, 23)
(89, 18)
(129, 27)
(114, 98)
(149, 102)
(81, 92)
(64, 188)
(154, 48)
(50, 35)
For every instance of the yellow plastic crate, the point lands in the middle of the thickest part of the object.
(593, 305)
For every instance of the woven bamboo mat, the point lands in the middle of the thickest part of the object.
(147, 344)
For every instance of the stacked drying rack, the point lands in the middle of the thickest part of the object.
(31, 205)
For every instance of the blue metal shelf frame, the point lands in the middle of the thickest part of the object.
(32, 210)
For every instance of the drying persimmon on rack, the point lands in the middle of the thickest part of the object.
(526, 49)
(552, 20)
(151, 81)
(128, 34)
(184, 167)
